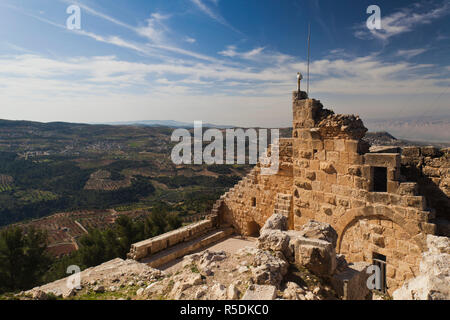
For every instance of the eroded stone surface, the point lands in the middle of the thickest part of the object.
(433, 282)
(260, 292)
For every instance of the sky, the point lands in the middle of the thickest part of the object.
(229, 62)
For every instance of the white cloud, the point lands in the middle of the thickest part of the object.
(353, 76)
(230, 51)
(253, 54)
(154, 30)
(213, 15)
(118, 89)
(404, 20)
(410, 53)
(190, 40)
(240, 80)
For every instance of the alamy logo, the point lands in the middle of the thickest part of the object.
(374, 281)
(74, 281)
(374, 21)
(74, 20)
(214, 152)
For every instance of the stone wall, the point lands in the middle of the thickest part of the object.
(334, 179)
(429, 168)
(252, 201)
(153, 245)
(366, 236)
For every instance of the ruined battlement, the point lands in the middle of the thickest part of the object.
(330, 176)
(383, 205)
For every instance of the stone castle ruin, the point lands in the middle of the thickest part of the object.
(382, 205)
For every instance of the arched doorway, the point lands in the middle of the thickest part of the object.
(253, 229)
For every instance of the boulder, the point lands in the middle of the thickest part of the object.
(140, 292)
(350, 282)
(268, 269)
(424, 288)
(275, 240)
(40, 295)
(432, 283)
(218, 292)
(233, 292)
(201, 292)
(318, 256)
(243, 269)
(195, 280)
(178, 288)
(438, 245)
(319, 230)
(260, 292)
(67, 294)
(99, 289)
(293, 291)
(276, 222)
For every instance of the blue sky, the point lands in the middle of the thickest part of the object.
(220, 61)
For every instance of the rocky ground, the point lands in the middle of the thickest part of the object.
(262, 273)
(291, 265)
(208, 275)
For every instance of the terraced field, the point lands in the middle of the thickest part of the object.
(67, 167)
(64, 229)
(100, 180)
(35, 196)
(6, 183)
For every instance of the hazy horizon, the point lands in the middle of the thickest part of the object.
(218, 61)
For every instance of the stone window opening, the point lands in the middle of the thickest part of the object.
(379, 260)
(380, 179)
(253, 202)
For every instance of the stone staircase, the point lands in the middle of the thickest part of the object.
(283, 204)
(249, 179)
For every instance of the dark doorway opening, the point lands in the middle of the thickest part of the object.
(379, 260)
(380, 179)
(253, 229)
(253, 202)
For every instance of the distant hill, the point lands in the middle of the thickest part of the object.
(165, 123)
(424, 129)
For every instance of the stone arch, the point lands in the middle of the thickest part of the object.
(354, 215)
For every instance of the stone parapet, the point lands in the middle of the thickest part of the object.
(151, 246)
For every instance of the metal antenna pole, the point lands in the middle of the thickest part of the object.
(309, 54)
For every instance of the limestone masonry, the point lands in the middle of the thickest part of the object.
(382, 204)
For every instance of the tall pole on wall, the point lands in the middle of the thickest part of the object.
(309, 54)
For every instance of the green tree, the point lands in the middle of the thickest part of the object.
(23, 258)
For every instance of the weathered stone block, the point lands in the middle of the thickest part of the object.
(430, 151)
(382, 160)
(329, 145)
(327, 167)
(411, 152)
(355, 171)
(408, 188)
(319, 230)
(332, 156)
(318, 256)
(351, 146)
(260, 292)
(351, 284)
